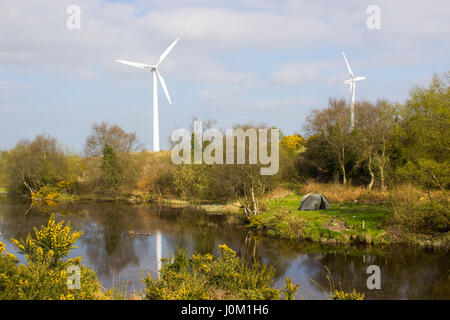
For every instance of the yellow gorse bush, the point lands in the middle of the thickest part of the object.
(353, 295)
(224, 276)
(46, 194)
(50, 243)
(45, 275)
(293, 143)
(289, 290)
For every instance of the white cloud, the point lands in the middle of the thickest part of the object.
(34, 35)
(232, 53)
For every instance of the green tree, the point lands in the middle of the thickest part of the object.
(112, 152)
(3, 173)
(425, 134)
(318, 160)
(111, 170)
(31, 165)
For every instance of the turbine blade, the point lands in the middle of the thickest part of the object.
(165, 53)
(348, 66)
(360, 78)
(135, 64)
(163, 85)
(348, 81)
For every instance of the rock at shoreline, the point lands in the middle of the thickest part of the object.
(314, 201)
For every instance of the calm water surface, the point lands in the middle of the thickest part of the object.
(109, 246)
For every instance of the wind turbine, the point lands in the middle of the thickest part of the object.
(352, 83)
(156, 76)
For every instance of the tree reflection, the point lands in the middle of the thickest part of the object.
(118, 240)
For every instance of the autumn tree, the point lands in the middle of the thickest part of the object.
(112, 148)
(31, 165)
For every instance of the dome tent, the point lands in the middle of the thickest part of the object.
(314, 201)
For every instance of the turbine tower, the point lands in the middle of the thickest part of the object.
(156, 76)
(352, 83)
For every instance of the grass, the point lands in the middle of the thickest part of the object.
(341, 223)
(3, 190)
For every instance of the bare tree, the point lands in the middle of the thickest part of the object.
(113, 136)
(374, 127)
(333, 123)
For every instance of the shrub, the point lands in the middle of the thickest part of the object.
(156, 172)
(45, 275)
(335, 293)
(289, 290)
(50, 244)
(46, 194)
(353, 295)
(31, 165)
(211, 277)
(417, 211)
(294, 143)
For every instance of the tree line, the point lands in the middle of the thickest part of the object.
(391, 143)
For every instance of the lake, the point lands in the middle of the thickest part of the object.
(119, 241)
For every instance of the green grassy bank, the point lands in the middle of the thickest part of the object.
(368, 223)
(341, 223)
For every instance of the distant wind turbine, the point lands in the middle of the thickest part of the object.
(156, 75)
(352, 83)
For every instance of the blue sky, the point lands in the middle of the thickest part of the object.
(236, 62)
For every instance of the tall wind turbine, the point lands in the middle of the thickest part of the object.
(352, 83)
(156, 76)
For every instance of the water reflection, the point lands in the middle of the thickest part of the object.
(120, 240)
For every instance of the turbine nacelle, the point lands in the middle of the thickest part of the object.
(350, 81)
(354, 78)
